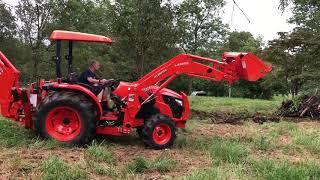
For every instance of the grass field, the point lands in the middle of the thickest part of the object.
(204, 150)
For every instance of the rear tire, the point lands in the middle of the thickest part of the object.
(159, 132)
(68, 117)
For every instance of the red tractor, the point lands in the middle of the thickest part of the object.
(69, 112)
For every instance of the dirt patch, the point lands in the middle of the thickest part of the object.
(186, 161)
(25, 163)
(229, 118)
(285, 140)
(309, 125)
(223, 130)
(277, 155)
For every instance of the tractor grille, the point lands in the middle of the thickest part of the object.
(175, 107)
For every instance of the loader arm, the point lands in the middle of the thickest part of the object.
(234, 66)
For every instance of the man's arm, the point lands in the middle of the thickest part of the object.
(96, 81)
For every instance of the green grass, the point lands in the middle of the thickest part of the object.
(100, 160)
(272, 150)
(220, 149)
(223, 171)
(301, 140)
(161, 164)
(14, 135)
(234, 105)
(138, 165)
(226, 151)
(310, 141)
(210, 174)
(103, 169)
(99, 153)
(285, 170)
(55, 169)
(264, 143)
(201, 143)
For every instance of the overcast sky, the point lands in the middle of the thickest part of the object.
(266, 19)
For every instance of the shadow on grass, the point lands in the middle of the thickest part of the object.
(130, 140)
(12, 134)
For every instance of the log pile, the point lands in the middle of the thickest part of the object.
(306, 106)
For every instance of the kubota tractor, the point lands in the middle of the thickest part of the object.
(69, 112)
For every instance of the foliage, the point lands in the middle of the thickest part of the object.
(296, 54)
(200, 30)
(199, 25)
(143, 41)
(34, 16)
(7, 22)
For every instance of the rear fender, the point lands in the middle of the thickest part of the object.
(82, 90)
(164, 108)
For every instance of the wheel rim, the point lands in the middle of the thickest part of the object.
(161, 134)
(63, 123)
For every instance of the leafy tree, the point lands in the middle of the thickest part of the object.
(34, 17)
(200, 30)
(297, 53)
(243, 42)
(7, 22)
(200, 26)
(16, 51)
(144, 35)
(7, 29)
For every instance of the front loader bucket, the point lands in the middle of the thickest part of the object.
(249, 66)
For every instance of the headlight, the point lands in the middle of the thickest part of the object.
(179, 102)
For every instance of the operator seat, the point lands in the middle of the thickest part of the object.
(73, 78)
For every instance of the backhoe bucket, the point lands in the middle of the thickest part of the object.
(249, 67)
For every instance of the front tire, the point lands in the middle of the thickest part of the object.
(67, 117)
(159, 132)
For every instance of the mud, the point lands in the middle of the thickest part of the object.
(229, 118)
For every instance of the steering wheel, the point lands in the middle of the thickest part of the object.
(112, 84)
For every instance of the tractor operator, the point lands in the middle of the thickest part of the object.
(90, 78)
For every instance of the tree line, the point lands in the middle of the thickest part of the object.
(147, 33)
